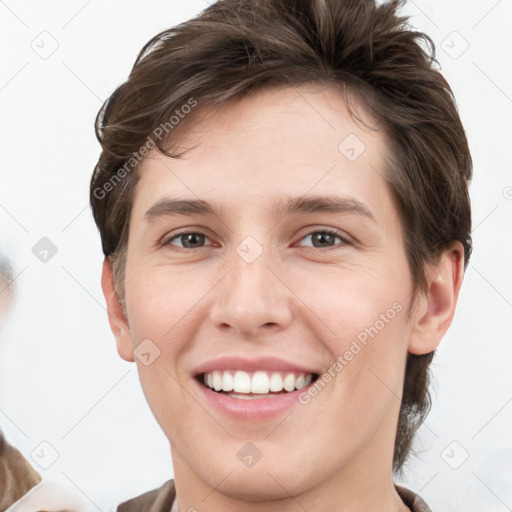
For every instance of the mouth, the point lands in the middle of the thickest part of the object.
(253, 389)
(255, 385)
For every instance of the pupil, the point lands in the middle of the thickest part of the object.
(323, 236)
(191, 238)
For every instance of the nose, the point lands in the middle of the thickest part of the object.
(252, 299)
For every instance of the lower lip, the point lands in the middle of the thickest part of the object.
(256, 409)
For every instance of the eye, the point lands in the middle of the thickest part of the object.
(189, 240)
(324, 238)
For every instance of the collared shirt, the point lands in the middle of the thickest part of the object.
(163, 499)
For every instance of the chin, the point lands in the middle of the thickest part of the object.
(255, 486)
(263, 482)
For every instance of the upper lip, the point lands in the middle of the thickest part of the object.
(236, 362)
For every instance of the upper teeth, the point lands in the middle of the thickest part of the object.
(256, 382)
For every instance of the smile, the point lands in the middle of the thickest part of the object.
(253, 388)
(244, 385)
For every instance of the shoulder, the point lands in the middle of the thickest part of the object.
(17, 476)
(158, 500)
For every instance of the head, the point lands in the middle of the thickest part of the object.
(246, 106)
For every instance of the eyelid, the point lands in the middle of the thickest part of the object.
(344, 237)
(185, 231)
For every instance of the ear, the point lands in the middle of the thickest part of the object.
(116, 318)
(435, 308)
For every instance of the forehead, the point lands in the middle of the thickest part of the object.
(274, 142)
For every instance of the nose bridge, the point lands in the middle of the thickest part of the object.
(251, 297)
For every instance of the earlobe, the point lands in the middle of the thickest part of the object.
(116, 318)
(436, 306)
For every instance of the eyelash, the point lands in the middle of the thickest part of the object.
(330, 231)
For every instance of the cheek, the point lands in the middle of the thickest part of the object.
(352, 300)
(366, 312)
(161, 300)
(163, 307)
(165, 396)
(367, 374)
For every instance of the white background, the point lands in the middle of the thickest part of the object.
(61, 378)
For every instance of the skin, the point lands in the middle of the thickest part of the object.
(300, 300)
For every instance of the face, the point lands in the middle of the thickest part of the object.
(294, 273)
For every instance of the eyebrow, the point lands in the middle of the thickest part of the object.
(168, 207)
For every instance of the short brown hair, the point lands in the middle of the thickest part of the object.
(236, 47)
